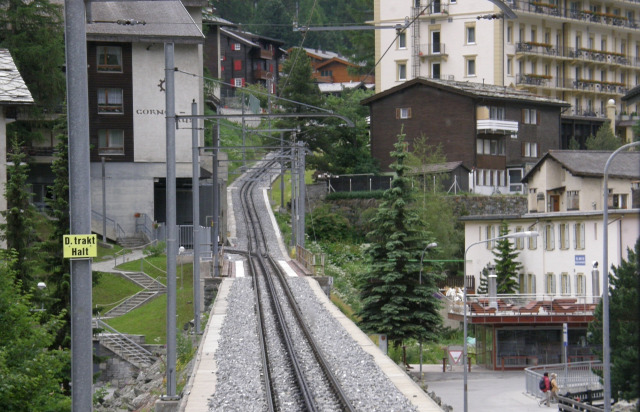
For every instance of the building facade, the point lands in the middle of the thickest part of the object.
(560, 281)
(496, 132)
(583, 52)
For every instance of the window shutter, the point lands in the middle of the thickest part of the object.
(243, 82)
(522, 151)
(522, 116)
(553, 238)
(546, 283)
(533, 283)
(537, 117)
(409, 113)
(397, 113)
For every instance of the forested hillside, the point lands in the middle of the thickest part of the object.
(275, 18)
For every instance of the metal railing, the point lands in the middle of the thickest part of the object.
(103, 325)
(528, 304)
(117, 229)
(146, 226)
(311, 261)
(572, 377)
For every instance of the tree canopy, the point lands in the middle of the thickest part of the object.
(395, 301)
(604, 139)
(507, 268)
(624, 327)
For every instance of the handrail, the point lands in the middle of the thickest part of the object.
(146, 226)
(101, 324)
(120, 233)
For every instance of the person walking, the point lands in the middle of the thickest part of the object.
(545, 387)
(554, 388)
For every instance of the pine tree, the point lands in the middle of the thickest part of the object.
(483, 288)
(624, 326)
(604, 139)
(19, 227)
(57, 267)
(30, 373)
(393, 301)
(507, 267)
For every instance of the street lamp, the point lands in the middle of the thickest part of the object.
(431, 245)
(42, 286)
(181, 252)
(464, 300)
(606, 353)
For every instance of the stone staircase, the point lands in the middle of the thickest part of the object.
(131, 242)
(152, 288)
(123, 346)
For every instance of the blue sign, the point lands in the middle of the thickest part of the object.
(581, 260)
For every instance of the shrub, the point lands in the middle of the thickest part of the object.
(327, 225)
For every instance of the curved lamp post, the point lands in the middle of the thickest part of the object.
(606, 352)
(464, 300)
(431, 245)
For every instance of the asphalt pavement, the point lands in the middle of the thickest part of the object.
(487, 390)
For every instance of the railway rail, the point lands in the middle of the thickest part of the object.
(295, 372)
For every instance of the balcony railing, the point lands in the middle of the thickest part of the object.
(266, 54)
(549, 9)
(527, 304)
(582, 85)
(433, 50)
(497, 126)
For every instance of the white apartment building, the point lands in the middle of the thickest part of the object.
(565, 206)
(583, 52)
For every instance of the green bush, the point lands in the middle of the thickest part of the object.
(374, 194)
(155, 249)
(327, 225)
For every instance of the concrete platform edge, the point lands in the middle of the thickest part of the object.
(202, 382)
(395, 373)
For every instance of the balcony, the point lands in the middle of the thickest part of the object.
(266, 54)
(497, 126)
(601, 87)
(546, 8)
(261, 74)
(433, 51)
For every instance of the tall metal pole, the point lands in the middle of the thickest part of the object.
(301, 195)
(104, 203)
(606, 351)
(282, 171)
(216, 201)
(172, 246)
(195, 191)
(79, 203)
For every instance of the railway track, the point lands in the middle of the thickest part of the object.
(296, 374)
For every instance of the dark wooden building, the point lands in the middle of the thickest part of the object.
(496, 132)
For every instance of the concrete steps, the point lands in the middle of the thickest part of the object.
(131, 242)
(130, 304)
(126, 349)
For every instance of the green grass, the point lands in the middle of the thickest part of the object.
(105, 253)
(111, 290)
(149, 319)
(275, 191)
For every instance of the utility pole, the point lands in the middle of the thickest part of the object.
(195, 199)
(79, 203)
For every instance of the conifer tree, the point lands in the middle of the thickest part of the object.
(507, 267)
(394, 302)
(18, 229)
(624, 327)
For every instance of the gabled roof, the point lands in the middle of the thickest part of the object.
(13, 90)
(164, 20)
(591, 163)
(439, 168)
(335, 60)
(632, 95)
(323, 54)
(249, 38)
(473, 90)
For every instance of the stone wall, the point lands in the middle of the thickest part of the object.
(489, 205)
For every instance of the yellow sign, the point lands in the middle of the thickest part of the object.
(80, 246)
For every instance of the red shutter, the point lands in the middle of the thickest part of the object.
(242, 82)
(237, 65)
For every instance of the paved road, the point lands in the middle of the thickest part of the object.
(488, 391)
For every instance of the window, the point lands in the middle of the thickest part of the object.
(549, 240)
(110, 142)
(403, 113)
(573, 200)
(529, 116)
(235, 46)
(531, 283)
(550, 284)
(563, 230)
(520, 240)
(490, 232)
(529, 149)
(509, 66)
(565, 284)
(515, 177)
(471, 67)
(326, 73)
(109, 59)
(237, 65)
(402, 40)
(110, 100)
(471, 35)
(578, 236)
(581, 284)
(238, 82)
(496, 113)
(401, 71)
(618, 201)
(493, 147)
(510, 33)
(532, 242)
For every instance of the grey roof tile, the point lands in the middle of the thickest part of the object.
(13, 90)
